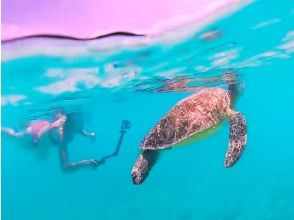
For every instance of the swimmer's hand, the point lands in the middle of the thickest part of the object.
(102, 161)
(95, 163)
(92, 135)
(88, 134)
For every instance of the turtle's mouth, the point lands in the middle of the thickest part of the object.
(137, 179)
(228, 163)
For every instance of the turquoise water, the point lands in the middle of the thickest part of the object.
(133, 81)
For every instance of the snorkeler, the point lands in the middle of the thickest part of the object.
(66, 126)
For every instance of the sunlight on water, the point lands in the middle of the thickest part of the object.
(140, 79)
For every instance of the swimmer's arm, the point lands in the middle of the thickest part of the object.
(61, 135)
(59, 126)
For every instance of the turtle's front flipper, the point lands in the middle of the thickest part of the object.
(238, 138)
(143, 165)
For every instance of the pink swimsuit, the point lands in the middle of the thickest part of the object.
(37, 126)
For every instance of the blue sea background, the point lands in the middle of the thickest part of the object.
(186, 183)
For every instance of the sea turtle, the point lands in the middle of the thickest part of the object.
(191, 117)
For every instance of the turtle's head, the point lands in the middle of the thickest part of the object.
(235, 87)
(140, 169)
(143, 165)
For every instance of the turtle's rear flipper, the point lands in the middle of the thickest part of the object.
(238, 138)
(143, 165)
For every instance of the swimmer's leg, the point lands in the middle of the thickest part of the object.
(20, 134)
(68, 166)
(14, 133)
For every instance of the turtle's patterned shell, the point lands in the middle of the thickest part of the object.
(188, 117)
